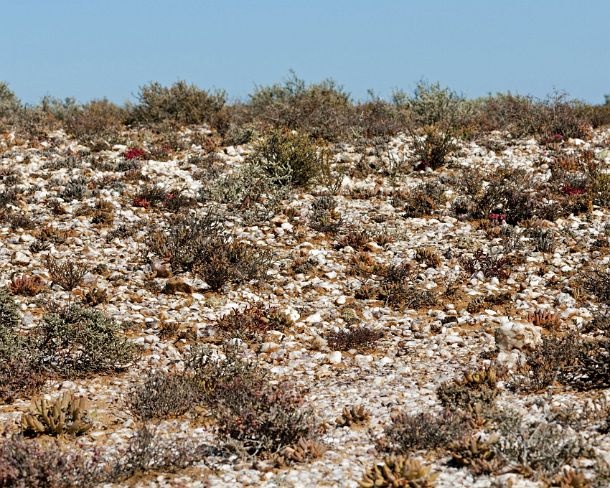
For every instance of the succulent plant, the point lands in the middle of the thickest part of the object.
(26, 285)
(398, 472)
(475, 453)
(303, 450)
(476, 387)
(570, 478)
(545, 319)
(65, 415)
(354, 415)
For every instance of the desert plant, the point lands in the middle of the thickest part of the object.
(322, 109)
(28, 463)
(26, 285)
(289, 158)
(253, 322)
(324, 215)
(359, 338)
(180, 102)
(353, 415)
(162, 395)
(66, 273)
(77, 340)
(476, 453)
(398, 472)
(432, 147)
(65, 415)
(475, 388)
(423, 431)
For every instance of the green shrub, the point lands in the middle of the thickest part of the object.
(9, 103)
(98, 119)
(77, 340)
(320, 110)
(432, 147)
(181, 103)
(9, 322)
(289, 158)
(199, 244)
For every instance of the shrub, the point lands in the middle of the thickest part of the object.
(263, 417)
(253, 322)
(9, 103)
(289, 158)
(424, 199)
(27, 463)
(320, 110)
(359, 338)
(432, 104)
(162, 395)
(66, 273)
(19, 376)
(181, 103)
(324, 215)
(432, 148)
(98, 119)
(423, 431)
(199, 244)
(76, 340)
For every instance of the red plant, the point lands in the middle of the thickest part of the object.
(133, 153)
(141, 202)
(497, 216)
(573, 190)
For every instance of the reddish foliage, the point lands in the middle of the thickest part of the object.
(133, 153)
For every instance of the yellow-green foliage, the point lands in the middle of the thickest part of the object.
(398, 472)
(66, 415)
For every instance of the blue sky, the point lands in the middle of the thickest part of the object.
(91, 49)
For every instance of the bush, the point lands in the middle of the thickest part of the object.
(289, 158)
(10, 320)
(9, 103)
(433, 147)
(163, 395)
(253, 322)
(320, 110)
(27, 463)
(76, 340)
(199, 244)
(181, 103)
(262, 416)
(423, 431)
(359, 338)
(66, 273)
(98, 119)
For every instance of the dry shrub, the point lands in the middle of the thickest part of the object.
(289, 158)
(181, 103)
(359, 338)
(199, 244)
(163, 395)
(98, 120)
(321, 110)
(76, 341)
(423, 431)
(571, 359)
(66, 273)
(253, 322)
(259, 415)
(432, 147)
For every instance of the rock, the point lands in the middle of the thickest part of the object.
(518, 335)
(21, 258)
(314, 318)
(161, 270)
(334, 357)
(175, 285)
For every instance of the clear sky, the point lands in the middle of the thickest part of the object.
(96, 48)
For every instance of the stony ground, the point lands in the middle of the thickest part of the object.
(315, 278)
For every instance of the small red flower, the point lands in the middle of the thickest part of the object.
(133, 153)
(497, 216)
(141, 202)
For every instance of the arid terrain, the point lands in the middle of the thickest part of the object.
(330, 294)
